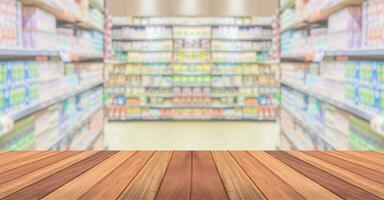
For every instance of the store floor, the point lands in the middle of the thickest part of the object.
(192, 135)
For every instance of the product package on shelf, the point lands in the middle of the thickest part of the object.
(11, 26)
(373, 29)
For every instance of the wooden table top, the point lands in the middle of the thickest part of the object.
(191, 175)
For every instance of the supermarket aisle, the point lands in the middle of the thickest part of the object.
(192, 135)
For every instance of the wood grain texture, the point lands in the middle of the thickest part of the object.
(271, 185)
(43, 187)
(119, 178)
(26, 180)
(12, 157)
(359, 161)
(147, 182)
(355, 179)
(305, 186)
(334, 184)
(177, 180)
(27, 160)
(206, 182)
(76, 188)
(363, 171)
(25, 169)
(237, 184)
(364, 157)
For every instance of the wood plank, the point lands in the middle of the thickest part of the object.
(363, 171)
(355, 179)
(363, 156)
(25, 169)
(305, 186)
(334, 184)
(43, 187)
(77, 187)
(177, 180)
(206, 182)
(26, 180)
(147, 182)
(357, 159)
(27, 160)
(237, 184)
(270, 184)
(119, 178)
(12, 157)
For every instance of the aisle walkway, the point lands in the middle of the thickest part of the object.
(192, 135)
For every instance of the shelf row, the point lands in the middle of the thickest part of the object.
(61, 14)
(361, 112)
(367, 53)
(266, 62)
(320, 14)
(66, 56)
(28, 110)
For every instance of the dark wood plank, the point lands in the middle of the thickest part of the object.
(176, 183)
(25, 169)
(305, 186)
(76, 188)
(271, 185)
(119, 178)
(206, 182)
(334, 184)
(363, 171)
(28, 179)
(41, 188)
(355, 179)
(237, 183)
(147, 182)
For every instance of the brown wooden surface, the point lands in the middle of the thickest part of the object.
(191, 175)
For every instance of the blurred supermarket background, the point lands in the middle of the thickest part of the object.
(191, 74)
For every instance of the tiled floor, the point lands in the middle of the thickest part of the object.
(192, 135)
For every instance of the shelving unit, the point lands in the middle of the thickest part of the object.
(325, 85)
(52, 121)
(192, 64)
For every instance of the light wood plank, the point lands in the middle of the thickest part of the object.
(12, 157)
(305, 186)
(206, 182)
(363, 171)
(119, 178)
(147, 182)
(27, 160)
(42, 188)
(25, 169)
(271, 185)
(357, 161)
(336, 185)
(77, 187)
(365, 157)
(26, 180)
(178, 177)
(237, 184)
(355, 179)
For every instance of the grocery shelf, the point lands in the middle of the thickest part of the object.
(30, 109)
(266, 62)
(22, 52)
(358, 111)
(218, 119)
(321, 14)
(62, 14)
(242, 39)
(80, 123)
(363, 53)
(191, 24)
(307, 126)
